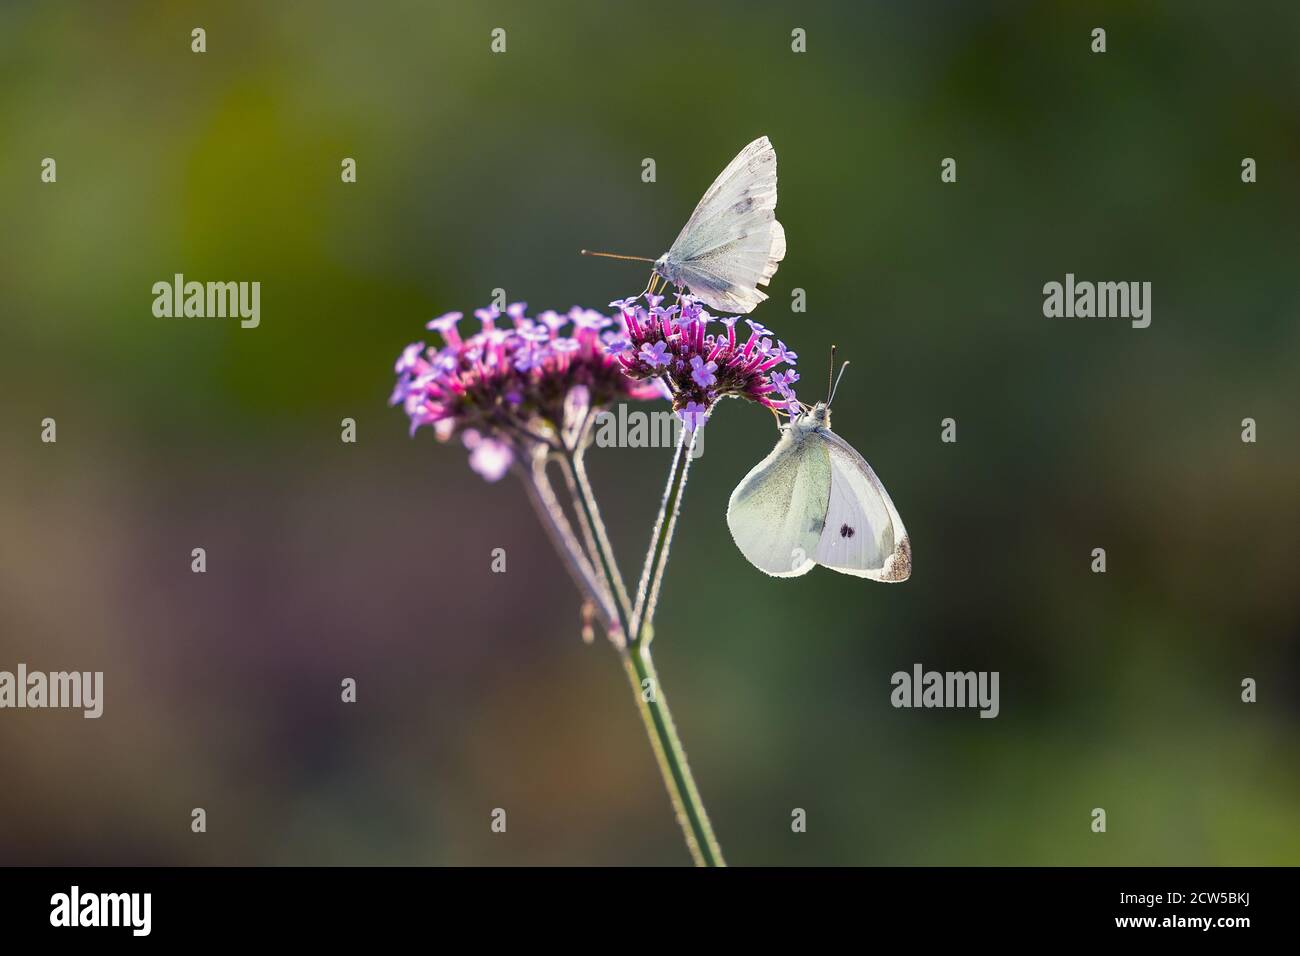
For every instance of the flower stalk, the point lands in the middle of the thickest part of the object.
(671, 757)
(683, 794)
(556, 524)
(525, 396)
(656, 559)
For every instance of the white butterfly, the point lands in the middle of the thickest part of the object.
(815, 500)
(732, 242)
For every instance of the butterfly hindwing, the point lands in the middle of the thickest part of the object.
(778, 511)
(726, 278)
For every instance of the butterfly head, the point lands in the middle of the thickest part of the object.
(818, 416)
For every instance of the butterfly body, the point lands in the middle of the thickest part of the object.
(732, 242)
(815, 500)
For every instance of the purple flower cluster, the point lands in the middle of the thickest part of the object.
(504, 385)
(700, 366)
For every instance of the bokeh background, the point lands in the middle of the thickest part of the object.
(478, 171)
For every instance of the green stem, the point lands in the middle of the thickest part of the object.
(671, 756)
(552, 517)
(651, 702)
(593, 529)
(656, 559)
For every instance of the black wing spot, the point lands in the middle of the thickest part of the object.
(846, 531)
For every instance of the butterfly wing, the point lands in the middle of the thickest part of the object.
(777, 512)
(863, 534)
(733, 242)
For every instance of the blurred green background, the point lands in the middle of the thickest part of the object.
(478, 171)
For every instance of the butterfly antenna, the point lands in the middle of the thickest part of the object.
(830, 384)
(836, 386)
(615, 255)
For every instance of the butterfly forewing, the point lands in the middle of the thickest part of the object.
(753, 171)
(732, 242)
(864, 535)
